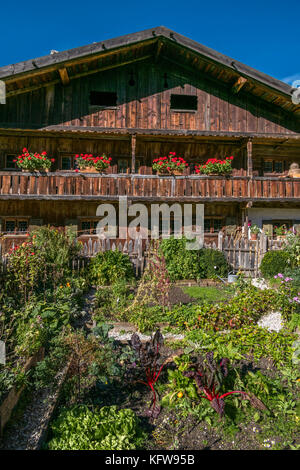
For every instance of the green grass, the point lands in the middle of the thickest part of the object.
(209, 294)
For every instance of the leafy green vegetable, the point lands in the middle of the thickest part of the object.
(82, 428)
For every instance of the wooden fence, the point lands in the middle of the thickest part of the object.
(241, 253)
(246, 255)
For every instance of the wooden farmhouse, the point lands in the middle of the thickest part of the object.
(136, 98)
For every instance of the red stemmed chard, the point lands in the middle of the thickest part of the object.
(147, 365)
(209, 376)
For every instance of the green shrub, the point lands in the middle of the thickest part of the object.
(109, 267)
(79, 428)
(210, 258)
(181, 263)
(274, 262)
(192, 264)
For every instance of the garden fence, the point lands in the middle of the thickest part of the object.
(246, 255)
(241, 253)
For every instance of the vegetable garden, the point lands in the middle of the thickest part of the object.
(149, 363)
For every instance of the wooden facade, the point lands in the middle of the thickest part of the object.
(120, 97)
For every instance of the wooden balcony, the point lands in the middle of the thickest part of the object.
(72, 186)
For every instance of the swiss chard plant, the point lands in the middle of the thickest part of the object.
(147, 365)
(209, 377)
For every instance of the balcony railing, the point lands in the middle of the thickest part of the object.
(146, 187)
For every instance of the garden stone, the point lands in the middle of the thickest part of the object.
(259, 283)
(272, 321)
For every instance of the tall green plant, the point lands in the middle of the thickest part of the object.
(109, 267)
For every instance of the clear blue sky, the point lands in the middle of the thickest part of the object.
(261, 33)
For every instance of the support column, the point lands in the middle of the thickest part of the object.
(133, 149)
(249, 158)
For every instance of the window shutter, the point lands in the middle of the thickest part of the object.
(34, 224)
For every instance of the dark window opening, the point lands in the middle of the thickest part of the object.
(278, 167)
(184, 102)
(15, 226)
(10, 163)
(273, 166)
(103, 98)
(89, 227)
(123, 165)
(68, 162)
(213, 225)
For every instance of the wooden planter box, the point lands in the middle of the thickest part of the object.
(8, 404)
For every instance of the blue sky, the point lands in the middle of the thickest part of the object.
(263, 34)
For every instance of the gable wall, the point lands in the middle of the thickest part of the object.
(146, 105)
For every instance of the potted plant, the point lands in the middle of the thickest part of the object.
(280, 231)
(254, 229)
(29, 161)
(215, 167)
(170, 165)
(87, 163)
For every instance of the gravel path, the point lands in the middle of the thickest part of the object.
(26, 433)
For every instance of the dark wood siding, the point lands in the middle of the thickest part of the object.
(146, 105)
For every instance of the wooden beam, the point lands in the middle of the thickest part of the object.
(70, 62)
(133, 150)
(238, 85)
(78, 75)
(249, 158)
(158, 50)
(63, 73)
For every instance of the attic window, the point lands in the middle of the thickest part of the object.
(184, 102)
(103, 98)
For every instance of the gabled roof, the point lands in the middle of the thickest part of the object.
(151, 40)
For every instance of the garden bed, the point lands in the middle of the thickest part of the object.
(8, 404)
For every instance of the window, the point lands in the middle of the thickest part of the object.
(103, 98)
(213, 224)
(68, 162)
(88, 227)
(16, 226)
(123, 165)
(278, 167)
(9, 162)
(184, 102)
(273, 166)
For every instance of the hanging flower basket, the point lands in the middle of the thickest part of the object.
(34, 162)
(170, 165)
(215, 167)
